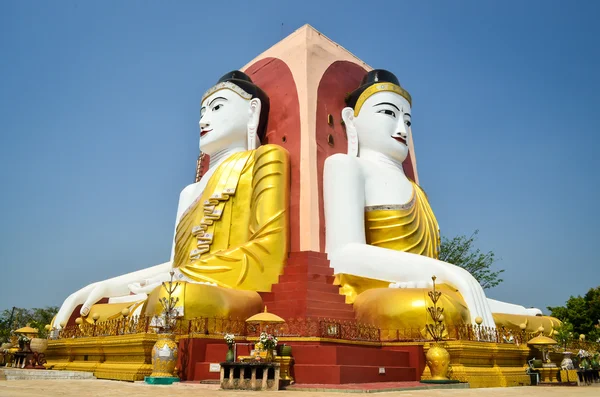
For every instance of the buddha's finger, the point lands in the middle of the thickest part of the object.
(95, 295)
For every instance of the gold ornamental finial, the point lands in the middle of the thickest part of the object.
(437, 357)
(436, 330)
(523, 326)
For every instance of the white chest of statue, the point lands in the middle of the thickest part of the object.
(384, 184)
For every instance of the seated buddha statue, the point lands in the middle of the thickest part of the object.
(380, 229)
(231, 234)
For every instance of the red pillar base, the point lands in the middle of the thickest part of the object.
(306, 290)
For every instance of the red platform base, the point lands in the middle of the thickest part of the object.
(315, 362)
(339, 364)
(306, 290)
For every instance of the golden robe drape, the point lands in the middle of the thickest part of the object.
(236, 234)
(410, 227)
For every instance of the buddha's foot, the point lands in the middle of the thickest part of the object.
(202, 300)
(400, 313)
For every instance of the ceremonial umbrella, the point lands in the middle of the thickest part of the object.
(27, 330)
(265, 318)
(543, 341)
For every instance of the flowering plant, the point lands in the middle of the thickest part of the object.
(24, 339)
(583, 354)
(230, 339)
(268, 341)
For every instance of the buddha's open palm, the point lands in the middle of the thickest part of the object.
(140, 280)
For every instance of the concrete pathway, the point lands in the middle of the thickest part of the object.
(107, 388)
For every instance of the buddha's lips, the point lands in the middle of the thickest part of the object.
(400, 139)
(204, 132)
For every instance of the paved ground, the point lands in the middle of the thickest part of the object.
(106, 388)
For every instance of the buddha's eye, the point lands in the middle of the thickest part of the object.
(388, 112)
(408, 123)
(217, 107)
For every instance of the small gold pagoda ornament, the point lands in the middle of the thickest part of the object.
(165, 350)
(437, 358)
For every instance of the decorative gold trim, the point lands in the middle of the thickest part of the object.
(379, 87)
(226, 85)
(393, 207)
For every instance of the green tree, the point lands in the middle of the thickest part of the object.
(16, 318)
(583, 312)
(461, 251)
(564, 334)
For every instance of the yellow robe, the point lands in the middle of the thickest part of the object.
(410, 227)
(236, 234)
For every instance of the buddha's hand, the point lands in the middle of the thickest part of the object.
(412, 284)
(471, 291)
(147, 285)
(75, 299)
(144, 287)
(534, 311)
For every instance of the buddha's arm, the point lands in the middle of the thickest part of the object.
(113, 287)
(509, 308)
(344, 202)
(138, 282)
(256, 264)
(119, 286)
(186, 198)
(348, 252)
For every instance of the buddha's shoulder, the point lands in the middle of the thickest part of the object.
(190, 190)
(270, 153)
(343, 161)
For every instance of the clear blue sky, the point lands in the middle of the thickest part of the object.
(99, 127)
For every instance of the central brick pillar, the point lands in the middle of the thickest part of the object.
(306, 290)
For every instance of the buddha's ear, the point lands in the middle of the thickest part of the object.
(348, 117)
(253, 121)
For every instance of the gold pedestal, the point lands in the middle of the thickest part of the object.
(124, 357)
(285, 364)
(438, 361)
(164, 356)
(285, 368)
(486, 364)
(549, 374)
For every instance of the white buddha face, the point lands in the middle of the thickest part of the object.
(383, 124)
(224, 118)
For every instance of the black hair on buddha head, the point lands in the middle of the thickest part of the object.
(244, 81)
(372, 77)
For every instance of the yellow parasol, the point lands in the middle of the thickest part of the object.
(265, 317)
(542, 341)
(27, 330)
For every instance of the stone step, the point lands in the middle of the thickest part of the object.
(343, 374)
(350, 355)
(304, 285)
(23, 374)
